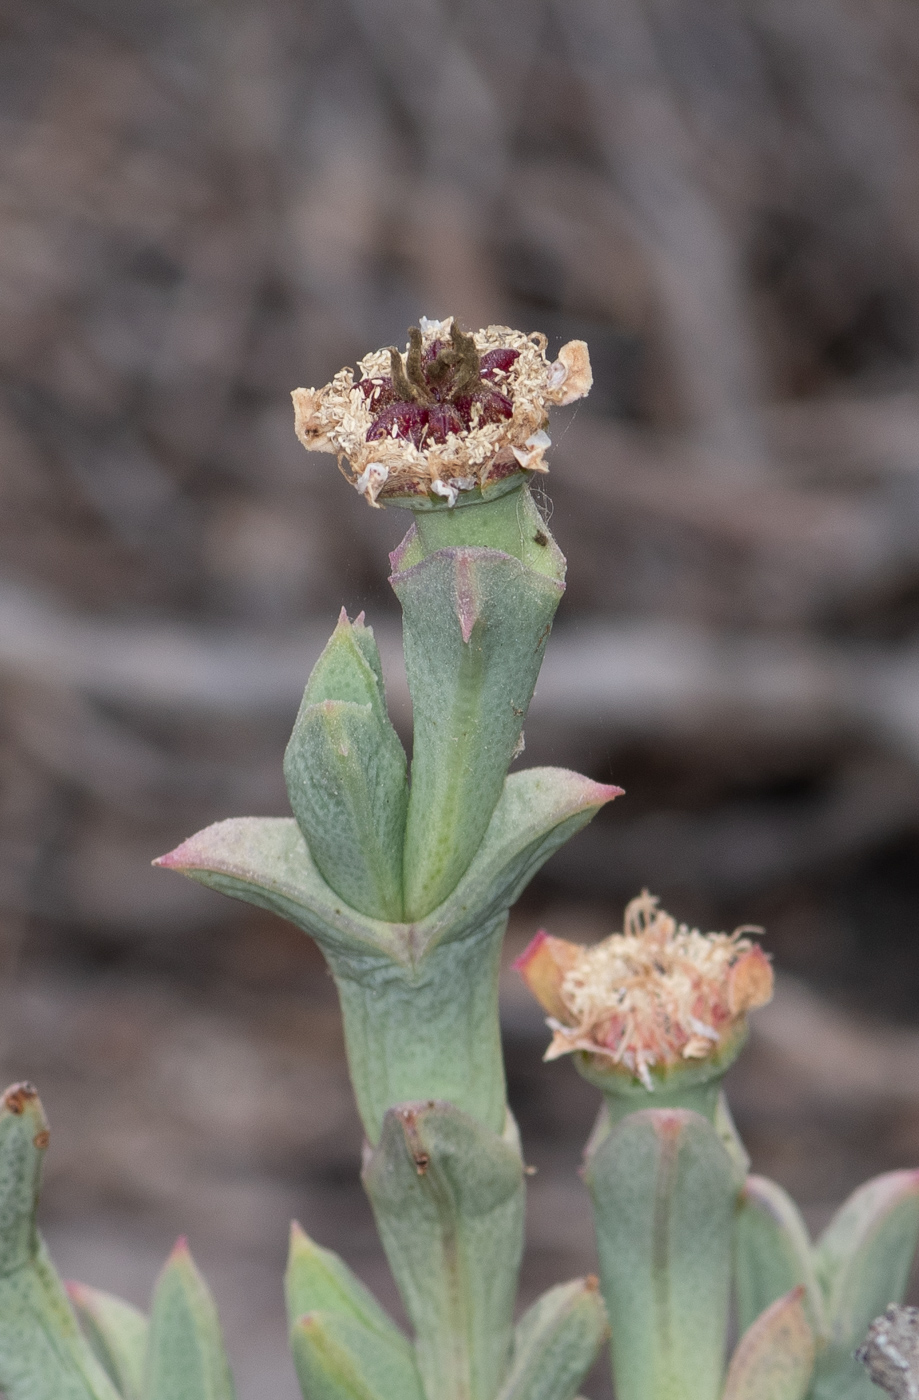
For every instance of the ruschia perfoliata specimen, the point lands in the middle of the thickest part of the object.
(404, 874)
(654, 1016)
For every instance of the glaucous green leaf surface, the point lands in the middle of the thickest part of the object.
(349, 668)
(437, 978)
(774, 1359)
(863, 1260)
(664, 1193)
(556, 1342)
(346, 777)
(337, 1358)
(475, 626)
(318, 1280)
(43, 1353)
(185, 1354)
(117, 1333)
(772, 1254)
(266, 861)
(448, 1199)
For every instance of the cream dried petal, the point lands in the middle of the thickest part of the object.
(534, 449)
(570, 376)
(308, 420)
(449, 493)
(371, 481)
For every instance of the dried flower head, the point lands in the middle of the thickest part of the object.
(657, 995)
(454, 412)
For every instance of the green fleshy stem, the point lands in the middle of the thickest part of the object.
(504, 517)
(693, 1084)
(426, 1032)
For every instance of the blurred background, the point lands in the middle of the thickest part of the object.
(206, 204)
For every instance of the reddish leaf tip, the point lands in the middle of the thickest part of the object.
(521, 962)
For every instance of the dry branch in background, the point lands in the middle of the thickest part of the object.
(204, 206)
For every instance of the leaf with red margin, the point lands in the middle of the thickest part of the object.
(774, 1359)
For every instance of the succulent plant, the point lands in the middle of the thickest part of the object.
(404, 875)
(654, 1017)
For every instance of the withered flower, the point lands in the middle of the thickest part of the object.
(653, 997)
(455, 412)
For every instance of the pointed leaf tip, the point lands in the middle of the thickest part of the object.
(173, 860)
(467, 602)
(863, 1260)
(543, 965)
(117, 1334)
(774, 1359)
(185, 1354)
(599, 793)
(223, 846)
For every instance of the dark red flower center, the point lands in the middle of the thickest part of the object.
(438, 390)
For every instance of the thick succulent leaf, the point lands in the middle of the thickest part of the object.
(346, 775)
(772, 1254)
(439, 977)
(24, 1139)
(448, 1200)
(556, 1342)
(664, 1193)
(337, 1358)
(185, 1354)
(774, 1359)
(317, 1280)
(475, 626)
(43, 1353)
(441, 1035)
(347, 783)
(863, 1261)
(540, 809)
(349, 668)
(117, 1333)
(265, 861)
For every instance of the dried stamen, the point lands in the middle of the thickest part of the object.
(460, 409)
